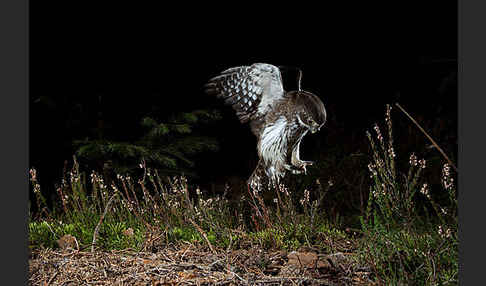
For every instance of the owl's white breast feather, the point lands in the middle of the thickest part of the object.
(272, 146)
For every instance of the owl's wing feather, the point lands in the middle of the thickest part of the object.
(250, 90)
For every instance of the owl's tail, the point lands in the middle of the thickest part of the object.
(260, 180)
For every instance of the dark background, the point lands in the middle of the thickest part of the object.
(122, 61)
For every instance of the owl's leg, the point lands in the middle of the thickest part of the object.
(295, 160)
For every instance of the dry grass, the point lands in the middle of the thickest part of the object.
(150, 231)
(188, 264)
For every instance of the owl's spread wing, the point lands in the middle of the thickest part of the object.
(250, 90)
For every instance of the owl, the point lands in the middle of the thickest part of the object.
(278, 118)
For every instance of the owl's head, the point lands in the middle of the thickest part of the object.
(312, 113)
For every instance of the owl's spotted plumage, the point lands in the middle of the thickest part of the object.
(279, 119)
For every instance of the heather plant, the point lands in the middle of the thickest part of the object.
(141, 212)
(40, 200)
(409, 236)
(98, 214)
(290, 219)
(408, 229)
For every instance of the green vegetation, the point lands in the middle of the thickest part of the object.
(167, 146)
(406, 232)
(410, 237)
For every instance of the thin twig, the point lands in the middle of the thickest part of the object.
(97, 229)
(52, 278)
(237, 276)
(49, 227)
(203, 234)
(230, 242)
(427, 135)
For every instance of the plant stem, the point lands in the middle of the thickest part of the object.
(97, 229)
(427, 135)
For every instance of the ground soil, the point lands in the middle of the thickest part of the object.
(188, 264)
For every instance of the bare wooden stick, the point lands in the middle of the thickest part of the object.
(427, 135)
(97, 229)
(201, 231)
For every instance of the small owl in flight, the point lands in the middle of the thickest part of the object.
(278, 118)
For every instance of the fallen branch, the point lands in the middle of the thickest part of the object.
(427, 135)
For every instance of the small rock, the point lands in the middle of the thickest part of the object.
(337, 258)
(302, 259)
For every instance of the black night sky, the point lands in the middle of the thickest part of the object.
(139, 58)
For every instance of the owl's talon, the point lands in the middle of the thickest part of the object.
(304, 165)
(294, 169)
(297, 172)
